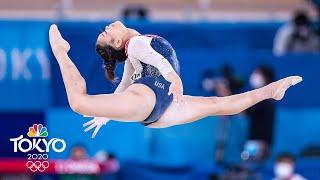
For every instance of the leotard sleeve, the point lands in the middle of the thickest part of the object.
(139, 49)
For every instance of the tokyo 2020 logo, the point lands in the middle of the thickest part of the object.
(37, 142)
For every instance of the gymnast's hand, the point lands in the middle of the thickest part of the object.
(176, 87)
(97, 123)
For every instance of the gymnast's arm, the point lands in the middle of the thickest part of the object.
(140, 48)
(125, 80)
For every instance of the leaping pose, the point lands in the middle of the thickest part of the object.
(150, 91)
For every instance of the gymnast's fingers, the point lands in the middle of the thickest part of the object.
(90, 127)
(96, 130)
(88, 123)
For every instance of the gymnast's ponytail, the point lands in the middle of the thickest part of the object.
(110, 58)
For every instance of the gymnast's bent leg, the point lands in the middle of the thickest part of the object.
(195, 108)
(121, 106)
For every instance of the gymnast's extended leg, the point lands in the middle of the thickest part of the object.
(121, 106)
(195, 108)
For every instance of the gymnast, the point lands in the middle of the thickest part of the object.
(150, 91)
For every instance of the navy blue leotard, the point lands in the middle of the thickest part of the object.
(152, 78)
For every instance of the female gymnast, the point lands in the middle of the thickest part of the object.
(150, 91)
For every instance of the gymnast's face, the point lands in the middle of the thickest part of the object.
(112, 35)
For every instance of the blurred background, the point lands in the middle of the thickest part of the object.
(224, 47)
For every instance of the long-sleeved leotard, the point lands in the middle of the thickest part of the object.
(150, 59)
(139, 50)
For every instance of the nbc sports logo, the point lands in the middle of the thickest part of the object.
(37, 130)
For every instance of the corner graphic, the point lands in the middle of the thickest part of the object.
(37, 130)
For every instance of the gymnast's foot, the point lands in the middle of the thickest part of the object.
(58, 44)
(279, 88)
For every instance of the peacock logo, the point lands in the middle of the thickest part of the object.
(37, 130)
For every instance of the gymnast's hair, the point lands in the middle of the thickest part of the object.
(111, 57)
